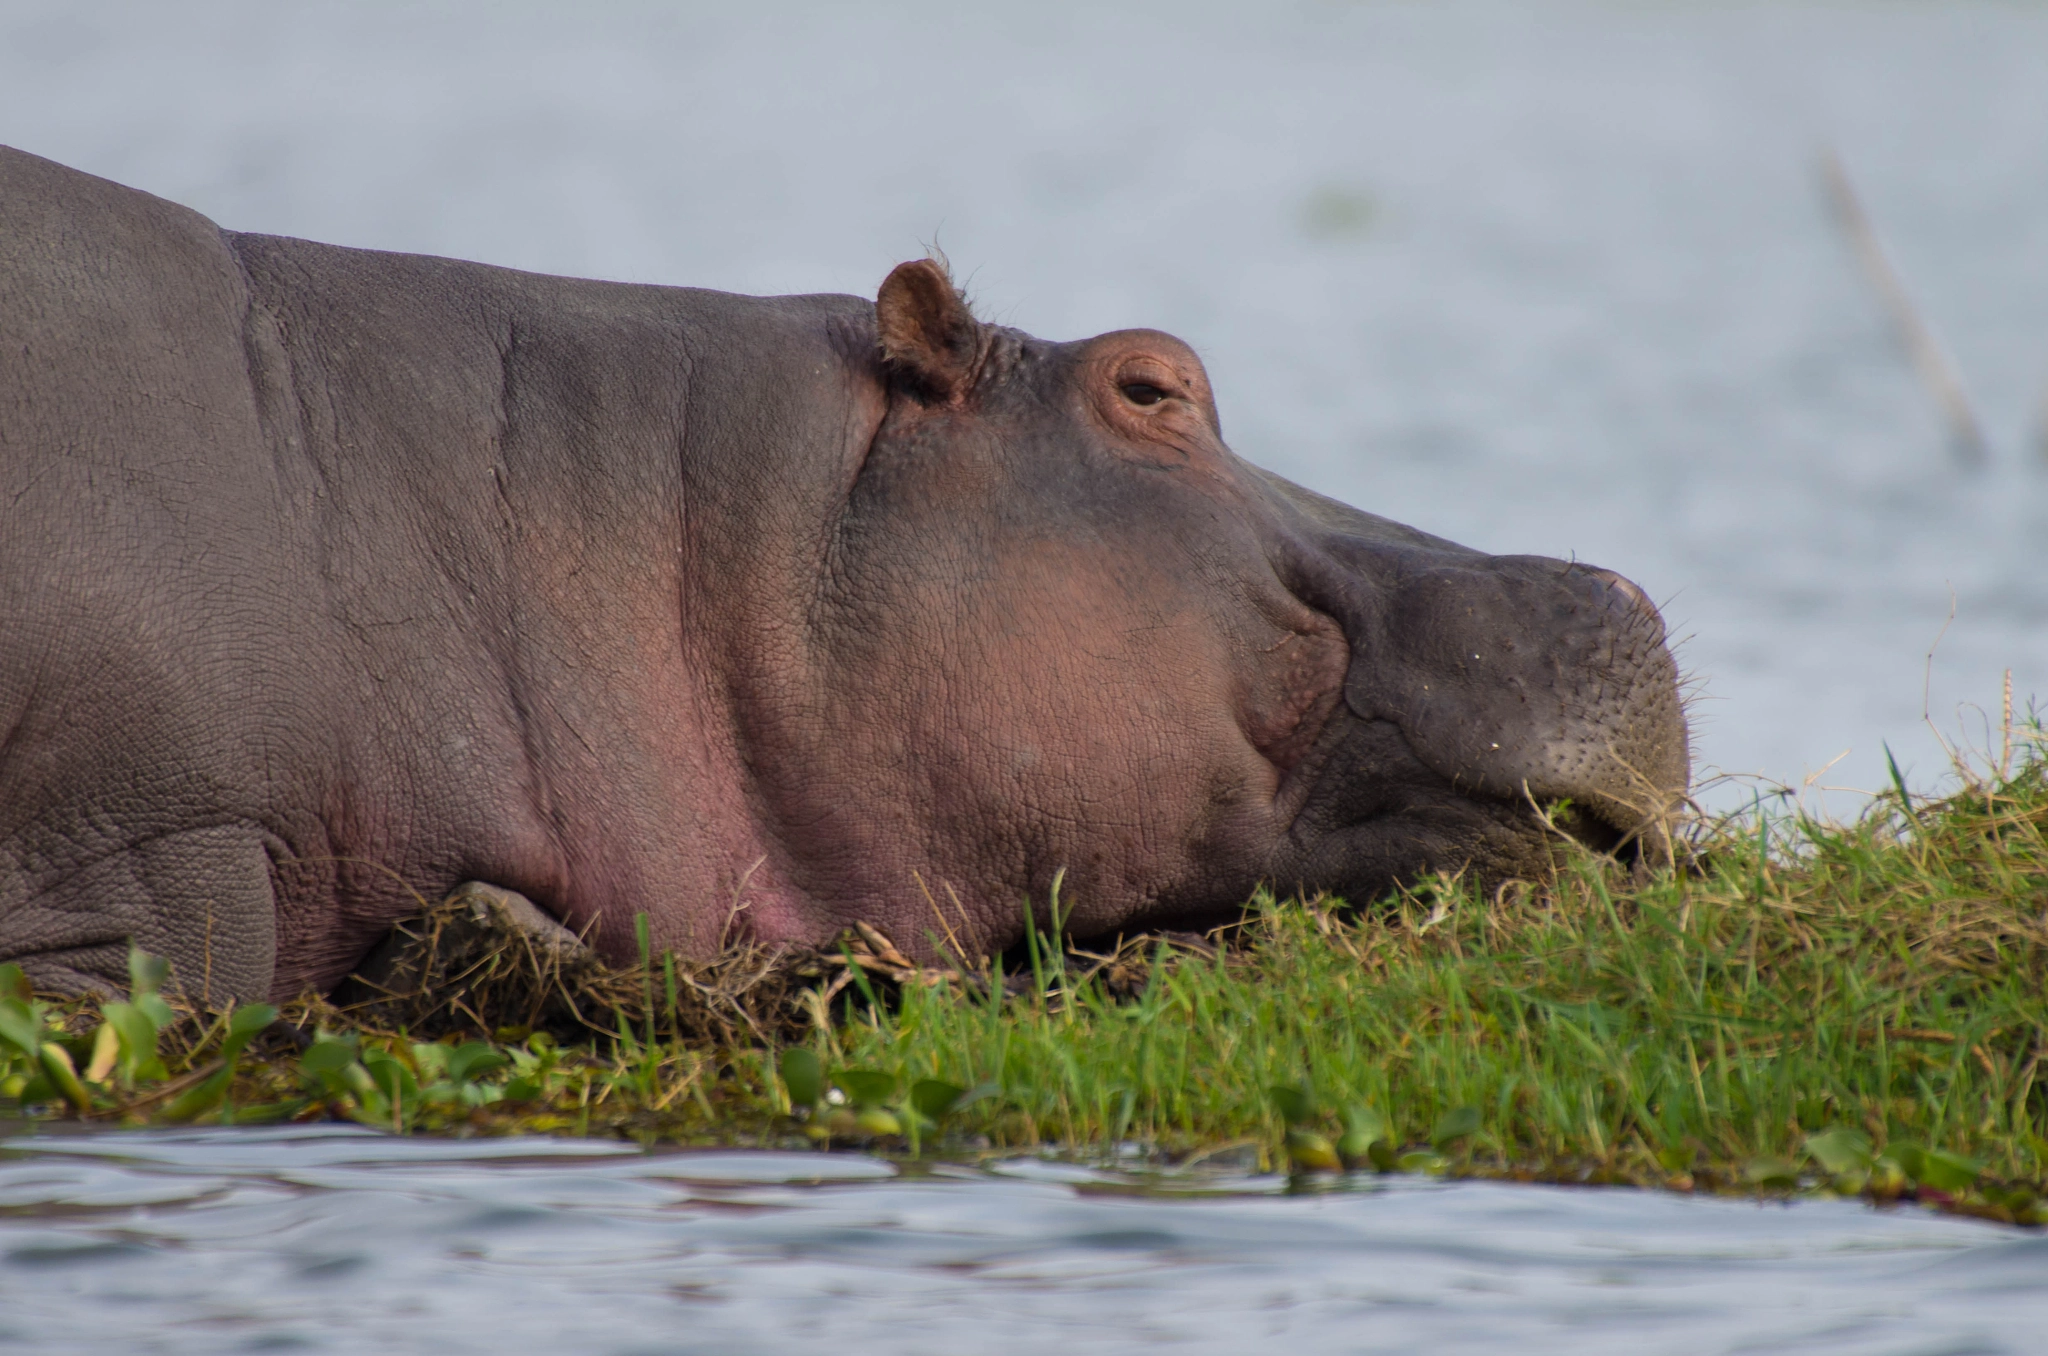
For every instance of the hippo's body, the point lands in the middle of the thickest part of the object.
(330, 579)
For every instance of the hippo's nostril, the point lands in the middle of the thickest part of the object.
(1622, 585)
(1625, 596)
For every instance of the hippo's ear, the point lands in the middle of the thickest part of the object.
(928, 335)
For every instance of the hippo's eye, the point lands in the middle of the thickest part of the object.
(1143, 393)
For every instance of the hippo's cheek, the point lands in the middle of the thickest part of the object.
(1375, 816)
(1059, 720)
(1296, 685)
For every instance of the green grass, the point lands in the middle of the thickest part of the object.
(1857, 1007)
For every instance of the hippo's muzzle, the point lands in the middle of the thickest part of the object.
(1490, 701)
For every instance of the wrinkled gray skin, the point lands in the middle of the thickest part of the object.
(332, 579)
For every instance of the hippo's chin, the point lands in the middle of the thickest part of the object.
(1375, 817)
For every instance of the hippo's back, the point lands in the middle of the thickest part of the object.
(126, 424)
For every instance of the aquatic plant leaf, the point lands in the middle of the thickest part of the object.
(1948, 1172)
(21, 1025)
(330, 1064)
(472, 1060)
(158, 1011)
(1363, 1128)
(243, 1025)
(146, 973)
(397, 1083)
(1293, 1103)
(1887, 1179)
(106, 1052)
(479, 1094)
(875, 1120)
(1422, 1160)
(1454, 1125)
(866, 1087)
(36, 1089)
(430, 1060)
(933, 1098)
(802, 1076)
(1775, 1173)
(1909, 1156)
(1353, 1148)
(199, 1099)
(327, 1056)
(137, 1032)
(1383, 1155)
(63, 1076)
(14, 984)
(1840, 1150)
(1308, 1151)
(1849, 1183)
(369, 1108)
(357, 1083)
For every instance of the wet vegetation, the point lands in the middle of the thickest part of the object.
(1797, 1006)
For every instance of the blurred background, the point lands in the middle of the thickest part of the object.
(1539, 277)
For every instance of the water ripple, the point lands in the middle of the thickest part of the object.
(326, 1239)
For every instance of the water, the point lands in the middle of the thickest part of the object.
(327, 1239)
(1539, 277)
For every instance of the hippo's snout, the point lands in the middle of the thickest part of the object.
(1522, 678)
(1483, 693)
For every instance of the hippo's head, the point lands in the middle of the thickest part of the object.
(1058, 624)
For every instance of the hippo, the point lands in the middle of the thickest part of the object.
(332, 580)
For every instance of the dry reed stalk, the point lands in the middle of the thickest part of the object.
(1966, 435)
